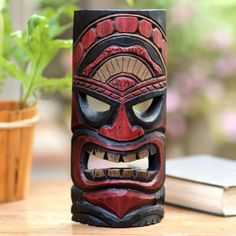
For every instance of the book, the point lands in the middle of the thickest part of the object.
(204, 183)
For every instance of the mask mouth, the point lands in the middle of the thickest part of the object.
(100, 164)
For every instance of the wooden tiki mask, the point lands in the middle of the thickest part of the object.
(118, 117)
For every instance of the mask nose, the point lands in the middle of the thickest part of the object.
(121, 130)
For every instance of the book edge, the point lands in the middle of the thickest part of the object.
(201, 182)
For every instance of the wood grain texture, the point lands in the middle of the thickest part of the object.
(121, 65)
(16, 151)
(45, 212)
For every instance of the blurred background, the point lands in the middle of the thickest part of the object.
(201, 79)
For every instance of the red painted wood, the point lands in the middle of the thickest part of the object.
(105, 28)
(80, 180)
(119, 202)
(114, 50)
(145, 90)
(121, 130)
(157, 37)
(164, 50)
(77, 55)
(138, 92)
(122, 83)
(108, 93)
(126, 24)
(89, 38)
(111, 91)
(115, 96)
(145, 28)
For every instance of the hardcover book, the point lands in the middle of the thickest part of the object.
(204, 183)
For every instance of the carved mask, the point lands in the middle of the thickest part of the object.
(118, 117)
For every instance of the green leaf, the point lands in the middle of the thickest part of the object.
(33, 49)
(39, 45)
(58, 3)
(49, 51)
(67, 44)
(55, 17)
(54, 84)
(130, 2)
(36, 21)
(11, 69)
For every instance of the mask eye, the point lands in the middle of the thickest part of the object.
(148, 111)
(143, 106)
(93, 110)
(97, 105)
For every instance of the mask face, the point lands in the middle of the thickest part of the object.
(118, 117)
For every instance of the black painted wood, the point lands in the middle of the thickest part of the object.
(119, 58)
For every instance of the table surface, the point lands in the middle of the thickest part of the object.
(46, 211)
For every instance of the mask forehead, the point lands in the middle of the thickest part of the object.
(125, 68)
(118, 25)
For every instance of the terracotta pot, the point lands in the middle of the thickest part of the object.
(16, 140)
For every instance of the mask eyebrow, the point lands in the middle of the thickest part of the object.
(146, 96)
(96, 95)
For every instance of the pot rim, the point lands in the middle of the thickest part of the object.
(12, 106)
(13, 116)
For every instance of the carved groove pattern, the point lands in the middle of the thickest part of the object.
(115, 94)
(94, 34)
(119, 62)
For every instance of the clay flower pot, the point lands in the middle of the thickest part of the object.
(16, 140)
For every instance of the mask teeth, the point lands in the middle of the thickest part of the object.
(129, 157)
(113, 157)
(143, 154)
(116, 157)
(99, 153)
(118, 173)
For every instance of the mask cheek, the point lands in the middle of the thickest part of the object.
(76, 118)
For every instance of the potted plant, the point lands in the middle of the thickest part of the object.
(24, 56)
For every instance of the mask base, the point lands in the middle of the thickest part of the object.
(87, 213)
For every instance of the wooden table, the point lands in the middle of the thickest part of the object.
(47, 212)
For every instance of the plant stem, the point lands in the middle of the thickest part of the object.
(32, 77)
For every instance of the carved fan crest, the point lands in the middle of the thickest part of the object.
(123, 65)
